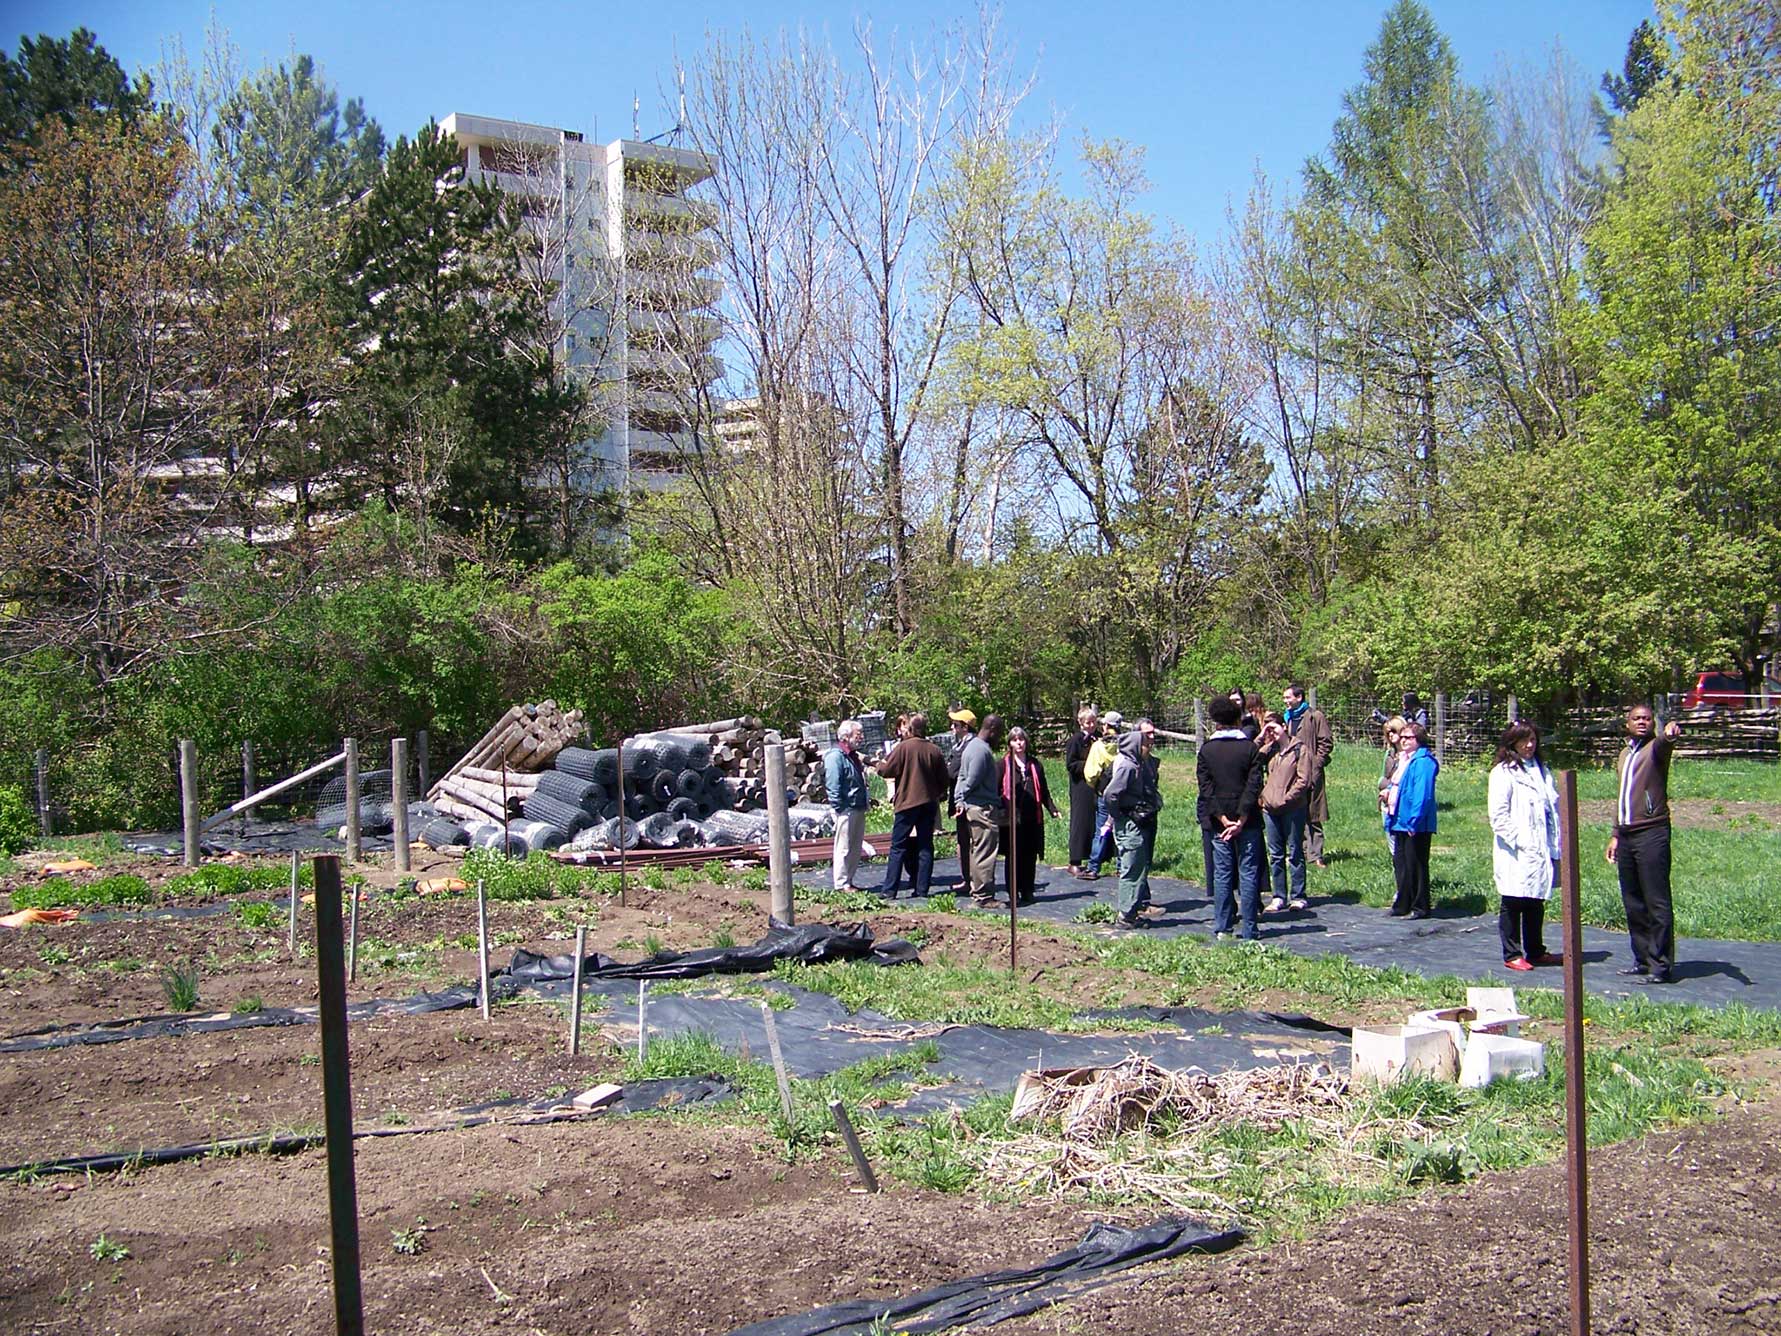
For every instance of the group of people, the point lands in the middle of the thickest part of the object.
(1261, 810)
(1524, 824)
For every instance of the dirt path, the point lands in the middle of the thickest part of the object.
(1685, 1238)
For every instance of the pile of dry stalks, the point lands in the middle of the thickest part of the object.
(1140, 1130)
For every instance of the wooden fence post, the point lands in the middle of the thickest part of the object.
(1514, 709)
(399, 801)
(422, 760)
(1441, 726)
(779, 833)
(188, 798)
(353, 844)
(45, 822)
(343, 1194)
(1199, 723)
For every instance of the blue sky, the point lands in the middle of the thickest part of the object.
(1211, 89)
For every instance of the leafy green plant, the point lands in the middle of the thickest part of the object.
(654, 945)
(106, 1249)
(723, 938)
(410, 1242)
(1097, 911)
(54, 954)
(945, 902)
(179, 985)
(122, 888)
(250, 1005)
(227, 879)
(259, 914)
(18, 824)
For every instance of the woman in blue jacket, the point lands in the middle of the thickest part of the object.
(1410, 820)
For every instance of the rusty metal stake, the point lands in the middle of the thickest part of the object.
(1576, 1113)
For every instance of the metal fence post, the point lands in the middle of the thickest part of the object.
(353, 845)
(1441, 726)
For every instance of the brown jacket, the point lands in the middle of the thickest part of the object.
(1293, 768)
(918, 769)
(1643, 791)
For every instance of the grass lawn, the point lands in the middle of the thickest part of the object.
(1726, 879)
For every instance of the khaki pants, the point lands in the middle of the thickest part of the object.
(985, 842)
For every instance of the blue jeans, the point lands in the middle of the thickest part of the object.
(1286, 848)
(1102, 847)
(911, 842)
(1236, 878)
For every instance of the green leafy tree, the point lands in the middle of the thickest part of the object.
(1684, 265)
(290, 149)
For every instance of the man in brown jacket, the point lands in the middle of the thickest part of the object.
(1301, 716)
(1291, 758)
(1640, 844)
(918, 769)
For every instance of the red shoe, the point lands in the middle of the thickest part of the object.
(1548, 958)
(1519, 963)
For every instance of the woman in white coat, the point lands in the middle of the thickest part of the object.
(1524, 820)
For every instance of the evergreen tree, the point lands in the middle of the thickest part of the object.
(1646, 65)
(449, 391)
(63, 77)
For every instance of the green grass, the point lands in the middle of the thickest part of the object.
(1727, 881)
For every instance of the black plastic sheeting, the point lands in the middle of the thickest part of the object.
(814, 944)
(254, 837)
(639, 1097)
(818, 1036)
(1105, 1251)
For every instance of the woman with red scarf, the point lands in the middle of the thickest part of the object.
(1026, 800)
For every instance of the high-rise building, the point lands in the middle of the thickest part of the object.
(629, 253)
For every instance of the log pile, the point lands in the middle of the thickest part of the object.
(492, 780)
(739, 750)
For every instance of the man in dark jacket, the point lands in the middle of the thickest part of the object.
(1230, 775)
(1640, 845)
(918, 770)
(1082, 794)
(1134, 797)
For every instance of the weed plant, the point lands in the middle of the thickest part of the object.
(260, 915)
(179, 985)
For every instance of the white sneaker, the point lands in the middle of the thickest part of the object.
(1275, 906)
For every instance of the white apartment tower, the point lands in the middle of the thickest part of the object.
(630, 253)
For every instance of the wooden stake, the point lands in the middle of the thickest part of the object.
(1576, 1111)
(294, 885)
(188, 798)
(575, 994)
(482, 948)
(248, 782)
(343, 1196)
(838, 1112)
(1013, 862)
(785, 1085)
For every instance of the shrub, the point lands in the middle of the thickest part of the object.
(18, 825)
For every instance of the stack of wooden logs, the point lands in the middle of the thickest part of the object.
(739, 749)
(492, 779)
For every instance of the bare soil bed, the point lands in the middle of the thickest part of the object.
(1695, 813)
(644, 1225)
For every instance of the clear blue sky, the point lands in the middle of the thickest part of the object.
(1211, 89)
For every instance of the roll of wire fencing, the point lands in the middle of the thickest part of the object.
(444, 833)
(376, 811)
(554, 812)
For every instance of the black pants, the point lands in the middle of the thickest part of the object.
(963, 829)
(911, 846)
(1521, 923)
(1410, 868)
(1028, 842)
(1643, 858)
(1082, 823)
